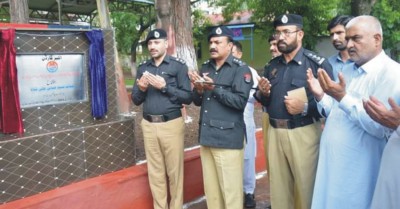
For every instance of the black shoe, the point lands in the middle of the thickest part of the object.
(249, 201)
(269, 207)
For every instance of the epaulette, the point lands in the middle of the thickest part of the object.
(179, 60)
(206, 62)
(143, 62)
(271, 60)
(314, 57)
(238, 61)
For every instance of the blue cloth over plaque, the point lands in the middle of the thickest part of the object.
(97, 70)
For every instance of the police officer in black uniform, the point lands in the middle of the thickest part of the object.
(222, 89)
(162, 86)
(294, 133)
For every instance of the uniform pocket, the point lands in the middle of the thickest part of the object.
(170, 79)
(299, 82)
(222, 124)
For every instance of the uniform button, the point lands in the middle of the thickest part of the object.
(221, 128)
(204, 124)
(205, 111)
(208, 98)
(216, 73)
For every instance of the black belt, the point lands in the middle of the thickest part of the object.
(162, 118)
(291, 123)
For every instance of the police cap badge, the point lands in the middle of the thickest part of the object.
(156, 34)
(289, 19)
(221, 31)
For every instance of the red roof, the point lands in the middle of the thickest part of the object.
(238, 18)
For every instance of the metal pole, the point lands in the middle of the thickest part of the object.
(59, 11)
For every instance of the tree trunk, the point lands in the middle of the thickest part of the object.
(361, 7)
(133, 59)
(165, 21)
(183, 33)
(19, 11)
(174, 16)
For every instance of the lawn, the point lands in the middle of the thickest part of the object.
(129, 82)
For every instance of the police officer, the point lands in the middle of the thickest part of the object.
(222, 90)
(162, 86)
(293, 134)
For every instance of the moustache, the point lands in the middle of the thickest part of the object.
(281, 42)
(337, 42)
(213, 50)
(351, 50)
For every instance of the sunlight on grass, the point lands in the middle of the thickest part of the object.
(129, 82)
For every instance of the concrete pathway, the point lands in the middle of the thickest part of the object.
(262, 195)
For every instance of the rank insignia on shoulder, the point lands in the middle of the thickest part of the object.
(315, 58)
(180, 60)
(142, 63)
(239, 62)
(247, 77)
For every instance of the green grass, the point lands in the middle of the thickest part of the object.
(129, 82)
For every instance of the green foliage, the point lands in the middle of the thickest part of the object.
(200, 24)
(316, 14)
(231, 7)
(388, 12)
(125, 24)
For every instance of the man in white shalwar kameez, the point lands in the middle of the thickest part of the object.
(387, 190)
(352, 143)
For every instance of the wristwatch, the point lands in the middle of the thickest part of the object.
(305, 109)
(164, 89)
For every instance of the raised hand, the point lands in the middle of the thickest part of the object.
(197, 81)
(314, 85)
(142, 83)
(156, 81)
(208, 83)
(335, 90)
(378, 112)
(264, 86)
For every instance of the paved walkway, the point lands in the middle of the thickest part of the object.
(261, 195)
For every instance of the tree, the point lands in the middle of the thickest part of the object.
(200, 26)
(361, 7)
(19, 11)
(316, 14)
(129, 27)
(174, 16)
(388, 12)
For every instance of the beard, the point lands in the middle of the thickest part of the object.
(339, 46)
(286, 48)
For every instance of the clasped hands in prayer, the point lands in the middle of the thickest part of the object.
(201, 83)
(147, 79)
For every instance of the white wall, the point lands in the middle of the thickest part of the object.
(324, 47)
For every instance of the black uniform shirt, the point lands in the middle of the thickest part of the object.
(175, 73)
(221, 116)
(288, 76)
